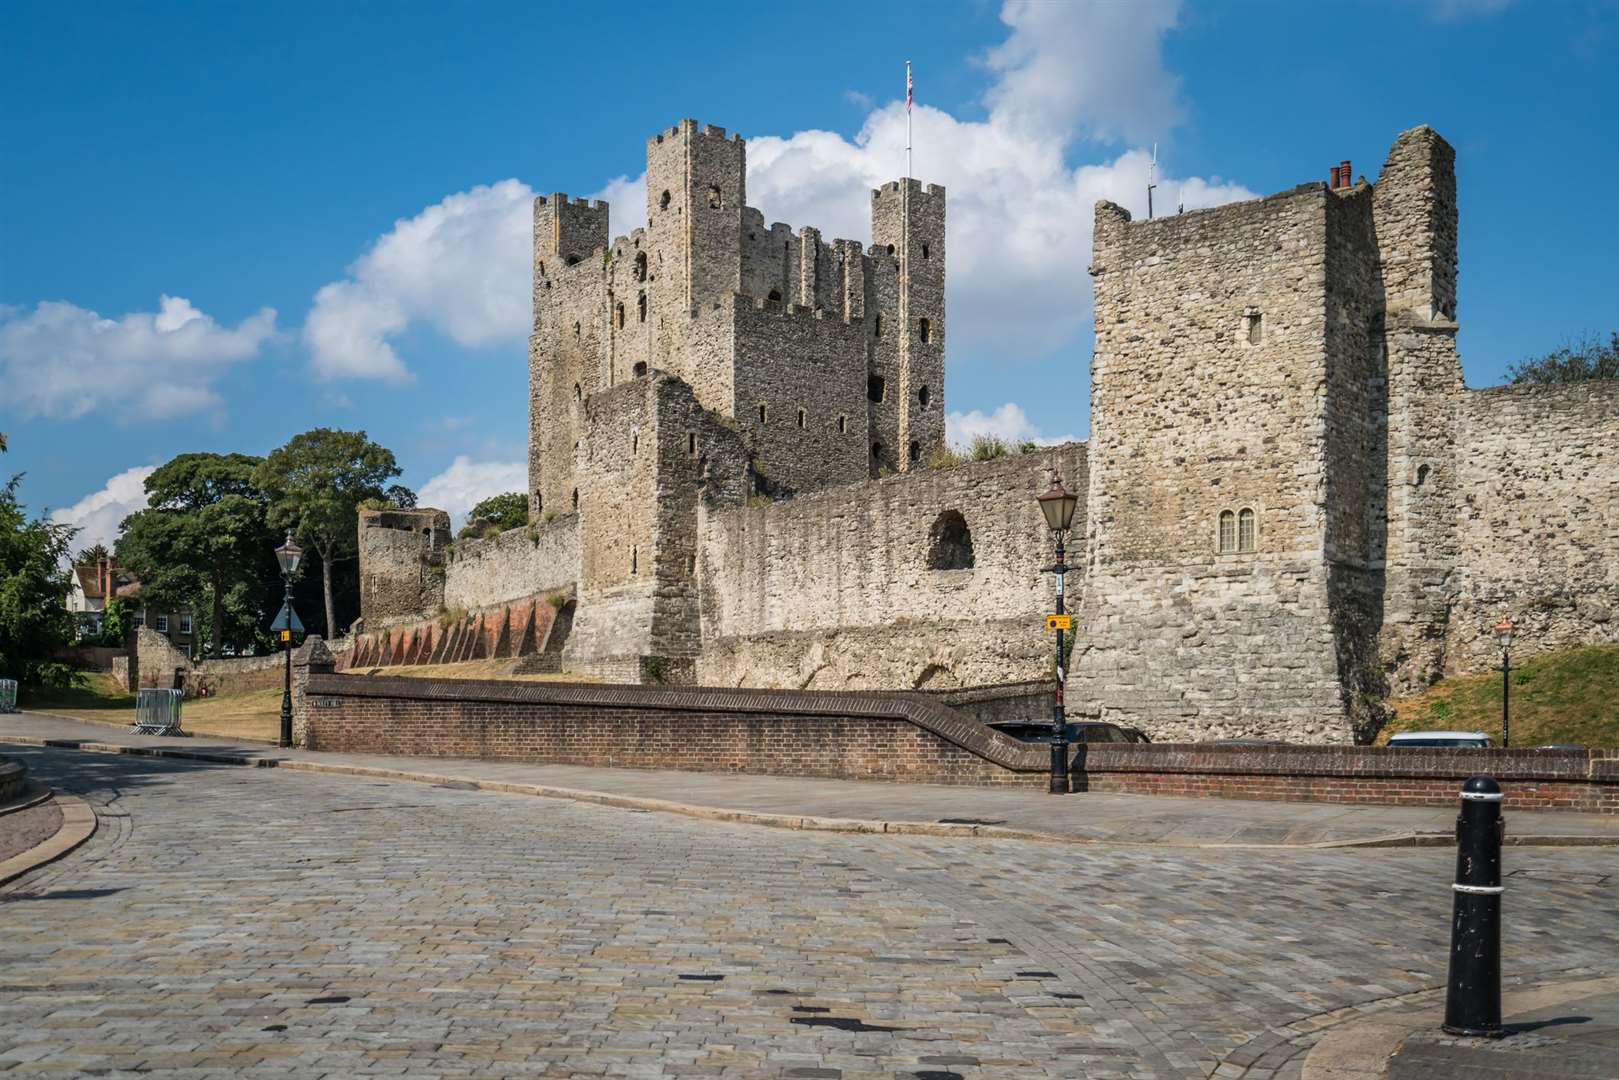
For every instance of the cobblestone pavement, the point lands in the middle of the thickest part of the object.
(253, 923)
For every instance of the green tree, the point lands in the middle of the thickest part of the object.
(1591, 358)
(500, 512)
(202, 542)
(34, 587)
(90, 555)
(316, 483)
(116, 622)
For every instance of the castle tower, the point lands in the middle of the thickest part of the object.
(907, 415)
(1415, 216)
(566, 346)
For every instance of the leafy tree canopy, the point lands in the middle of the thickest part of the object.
(1591, 358)
(499, 512)
(34, 586)
(202, 537)
(91, 555)
(316, 484)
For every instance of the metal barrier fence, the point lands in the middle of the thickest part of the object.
(8, 695)
(157, 712)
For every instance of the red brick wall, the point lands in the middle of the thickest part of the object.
(773, 732)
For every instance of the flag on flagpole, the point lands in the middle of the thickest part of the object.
(908, 95)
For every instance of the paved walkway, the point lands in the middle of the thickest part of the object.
(1127, 819)
(240, 923)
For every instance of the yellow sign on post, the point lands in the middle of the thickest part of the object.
(1059, 622)
(286, 635)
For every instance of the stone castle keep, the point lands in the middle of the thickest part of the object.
(1294, 508)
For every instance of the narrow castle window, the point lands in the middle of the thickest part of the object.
(761, 412)
(542, 268)
(576, 498)
(635, 442)
(877, 325)
(915, 452)
(876, 388)
(663, 201)
(618, 314)
(1228, 532)
(576, 330)
(635, 558)
(640, 267)
(891, 249)
(925, 328)
(922, 396)
(924, 251)
(640, 368)
(1422, 475)
(641, 307)
(800, 417)
(714, 199)
(950, 543)
(1245, 530)
(775, 296)
(1254, 323)
(876, 449)
(843, 425)
(577, 394)
(691, 443)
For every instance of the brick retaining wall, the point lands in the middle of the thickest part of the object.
(895, 736)
(1585, 780)
(863, 736)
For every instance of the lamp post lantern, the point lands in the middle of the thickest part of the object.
(289, 555)
(1058, 507)
(1503, 635)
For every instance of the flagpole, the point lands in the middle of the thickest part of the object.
(907, 119)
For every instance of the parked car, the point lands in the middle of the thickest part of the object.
(1085, 731)
(1441, 738)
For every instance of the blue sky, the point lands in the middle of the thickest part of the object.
(332, 198)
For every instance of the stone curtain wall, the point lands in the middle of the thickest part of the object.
(853, 736)
(519, 562)
(401, 564)
(835, 589)
(1539, 524)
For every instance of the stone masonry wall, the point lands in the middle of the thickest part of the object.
(519, 562)
(837, 588)
(1539, 525)
(401, 564)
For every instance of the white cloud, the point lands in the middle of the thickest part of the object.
(461, 266)
(61, 360)
(466, 483)
(1007, 423)
(1019, 215)
(98, 514)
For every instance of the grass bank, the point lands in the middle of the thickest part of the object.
(255, 714)
(1568, 696)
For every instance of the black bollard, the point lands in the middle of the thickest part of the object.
(1473, 999)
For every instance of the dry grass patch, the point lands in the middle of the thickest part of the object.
(470, 669)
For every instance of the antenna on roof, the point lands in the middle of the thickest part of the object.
(1152, 175)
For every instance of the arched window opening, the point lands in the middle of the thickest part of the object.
(950, 543)
(924, 328)
(1422, 475)
(663, 201)
(1245, 529)
(922, 396)
(775, 296)
(715, 201)
(1228, 532)
(576, 498)
(640, 306)
(876, 388)
(542, 268)
(572, 260)
(800, 417)
(915, 452)
(843, 425)
(876, 450)
(891, 249)
(618, 315)
(640, 368)
(539, 502)
(640, 267)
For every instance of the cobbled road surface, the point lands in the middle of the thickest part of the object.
(231, 922)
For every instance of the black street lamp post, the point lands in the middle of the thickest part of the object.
(1058, 507)
(288, 555)
(1503, 634)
